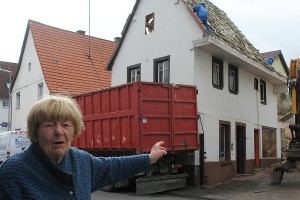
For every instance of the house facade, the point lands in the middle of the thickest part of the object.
(56, 61)
(164, 41)
(7, 72)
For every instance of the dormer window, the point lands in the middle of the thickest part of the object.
(149, 25)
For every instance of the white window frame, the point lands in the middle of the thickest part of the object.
(18, 100)
(40, 90)
(263, 92)
(163, 72)
(5, 104)
(232, 79)
(135, 75)
(29, 67)
(224, 146)
(216, 74)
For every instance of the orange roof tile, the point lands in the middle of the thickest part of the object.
(72, 63)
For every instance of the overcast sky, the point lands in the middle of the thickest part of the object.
(268, 24)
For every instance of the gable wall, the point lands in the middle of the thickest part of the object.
(166, 40)
(277, 64)
(27, 84)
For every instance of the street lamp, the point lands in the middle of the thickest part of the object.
(8, 84)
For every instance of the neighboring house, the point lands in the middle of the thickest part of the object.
(164, 41)
(56, 61)
(5, 80)
(277, 61)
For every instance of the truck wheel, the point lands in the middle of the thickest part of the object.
(276, 176)
(109, 188)
(297, 163)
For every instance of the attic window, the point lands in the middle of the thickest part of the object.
(149, 25)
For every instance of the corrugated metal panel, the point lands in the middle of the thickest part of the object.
(135, 116)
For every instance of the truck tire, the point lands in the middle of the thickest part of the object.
(276, 176)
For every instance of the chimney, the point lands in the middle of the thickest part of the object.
(117, 39)
(80, 32)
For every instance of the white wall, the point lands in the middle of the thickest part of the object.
(27, 84)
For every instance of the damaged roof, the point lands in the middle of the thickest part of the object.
(72, 63)
(222, 28)
(225, 30)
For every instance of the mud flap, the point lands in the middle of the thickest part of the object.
(162, 183)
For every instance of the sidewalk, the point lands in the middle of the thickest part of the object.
(248, 187)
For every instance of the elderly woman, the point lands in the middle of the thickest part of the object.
(51, 169)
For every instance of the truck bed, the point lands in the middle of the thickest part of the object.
(134, 116)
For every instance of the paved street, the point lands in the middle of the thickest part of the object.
(247, 187)
(126, 194)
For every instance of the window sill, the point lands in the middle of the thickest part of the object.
(220, 87)
(263, 102)
(233, 92)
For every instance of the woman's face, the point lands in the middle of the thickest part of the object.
(55, 139)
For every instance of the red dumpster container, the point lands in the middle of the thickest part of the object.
(135, 116)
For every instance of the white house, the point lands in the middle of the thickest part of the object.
(277, 61)
(7, 70)
(164, 41)
(56, 61)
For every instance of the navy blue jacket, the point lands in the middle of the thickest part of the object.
(31, 175)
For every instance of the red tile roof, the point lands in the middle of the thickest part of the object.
(4, 77)
(72, 63)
